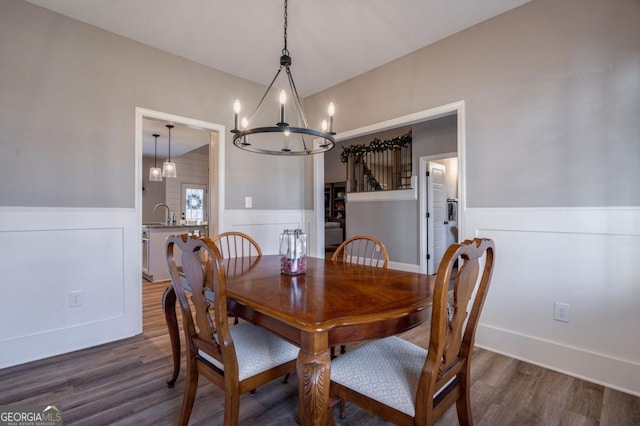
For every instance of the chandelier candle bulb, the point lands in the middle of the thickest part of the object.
(286, 141)
(245, 124)
(283, 101)
(236, 109)
(332, 112)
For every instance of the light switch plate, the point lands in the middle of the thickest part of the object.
(248, 202)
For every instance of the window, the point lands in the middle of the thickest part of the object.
(194, 198)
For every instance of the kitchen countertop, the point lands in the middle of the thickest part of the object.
(164, 225)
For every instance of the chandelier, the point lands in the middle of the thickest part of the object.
(281, 138)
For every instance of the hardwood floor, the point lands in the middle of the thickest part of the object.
(123, 383)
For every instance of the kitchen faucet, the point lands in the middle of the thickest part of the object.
(168, 211)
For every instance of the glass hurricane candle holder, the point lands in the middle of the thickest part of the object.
(293, 252)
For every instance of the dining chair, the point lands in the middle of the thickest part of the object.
(237, 359)
(362, 250)
(407, 384)
(236, 244)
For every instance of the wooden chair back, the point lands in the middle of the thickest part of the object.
(203, 277)
(362, 250)
(211, 346)
(236, 244)
(446, 374)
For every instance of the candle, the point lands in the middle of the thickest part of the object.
(332, 111)
(286, 141)
(283, 101)
(236, 109)
(245, 124)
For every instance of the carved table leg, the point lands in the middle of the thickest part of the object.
(313, 387)
(169, 308)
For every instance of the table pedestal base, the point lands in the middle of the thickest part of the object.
(313, 387)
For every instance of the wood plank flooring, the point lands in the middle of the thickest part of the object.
(123, 383)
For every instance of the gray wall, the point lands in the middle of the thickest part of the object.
(390, 222)
(68, 97)
(433, 137)
(552, 92)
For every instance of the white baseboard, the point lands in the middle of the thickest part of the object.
(602, 369)
(407, 267)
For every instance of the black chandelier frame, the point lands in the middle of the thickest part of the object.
(240, 136)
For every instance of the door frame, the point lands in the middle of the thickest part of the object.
(423, 200)
(454, 108)
(216, 166)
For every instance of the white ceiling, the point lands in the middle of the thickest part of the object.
(183, 139)
(330, 41)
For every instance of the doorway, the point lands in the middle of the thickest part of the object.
(455, 108)
(216, 161)
(438, 207)
(216, 138)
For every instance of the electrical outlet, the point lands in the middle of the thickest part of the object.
(561, 311)
(75, 298)
(248, 202)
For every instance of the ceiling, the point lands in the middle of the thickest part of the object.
(183, 139)
(330, 41)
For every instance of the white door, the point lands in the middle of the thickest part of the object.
(194, 203)
(436, 215)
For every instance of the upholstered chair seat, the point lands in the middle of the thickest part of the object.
(387, 370)
(256, 349)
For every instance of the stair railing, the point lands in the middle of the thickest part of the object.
(379, 166)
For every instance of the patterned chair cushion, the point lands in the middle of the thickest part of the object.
(256, 350)
(387, 370)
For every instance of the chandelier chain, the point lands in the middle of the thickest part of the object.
(285, 51)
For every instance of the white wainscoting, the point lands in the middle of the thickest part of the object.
(585, 257)
(265, 226)
(407, 267)
(49, 252)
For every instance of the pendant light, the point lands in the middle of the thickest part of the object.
(281, 138)
(155, 172)
(169, 167)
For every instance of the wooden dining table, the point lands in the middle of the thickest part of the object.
(332, 304)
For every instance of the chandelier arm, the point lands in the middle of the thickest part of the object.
(265, 95)
(296, 97)
(304, 143)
